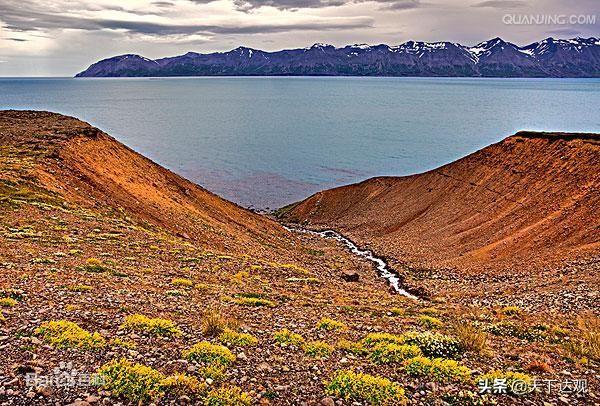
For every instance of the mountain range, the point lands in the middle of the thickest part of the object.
(577, 57)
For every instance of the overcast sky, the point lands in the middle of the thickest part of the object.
(63, 37)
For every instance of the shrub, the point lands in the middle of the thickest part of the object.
(183, 385)
(374, 390)
(216, 373)
(237, 339)
(351, 347)
(328, 324)
(228, 396)
(391, 353)
(397, 311)
(434, 344)
(66, 334)
(155, 327)
(214, 323)
(135, 382)
(207, 353)
(286, 337)
(430, 311)
(516, 383)
(470, 337)
(7, 302)
(430, 322)
(318, 349)
(119, 342)
(437, 369)
(373, 339)
(587, 342)
(254, 301)
(511, 311)
(94, 265)
(79, 288)
(186, 283)
(511, 329)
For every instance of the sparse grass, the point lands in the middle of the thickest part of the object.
(151, 326)
(214, 323)
(186, 283)
(227, 396)
(119, 342)
(328, 324)
(285, 337)
(373, 339)
(303, 280)
(374, 390)
(183, 385)
(430, 311)
(94, 265)
(254, 302)
(79, 288)
(587, 341)
(8, 302)
(434, 344)
(318, 349)
(351, 347)
(66, 334)
(233, 338)
(511, 311)
(135, 382)
(391, 353)
(208, 353)
(470, 337)
(397, 311)
(513, 380)
(437, 369)
(430, 322)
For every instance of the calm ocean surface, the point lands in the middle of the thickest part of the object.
(266, 142)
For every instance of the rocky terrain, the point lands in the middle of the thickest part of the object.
(577, 57)
(122, 283)
(516, 221)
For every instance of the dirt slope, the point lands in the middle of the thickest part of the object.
(532, 197)
(85, 165)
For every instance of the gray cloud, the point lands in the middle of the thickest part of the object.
(567, 32)
(501, 4)
(249, 5)
(22, 19)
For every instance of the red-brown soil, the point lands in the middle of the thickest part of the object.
(528, 204)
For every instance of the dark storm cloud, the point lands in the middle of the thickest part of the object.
(20, 19)
(502, 4)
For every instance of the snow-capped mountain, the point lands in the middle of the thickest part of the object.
(577, 57)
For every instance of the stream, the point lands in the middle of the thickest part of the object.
(382, 267)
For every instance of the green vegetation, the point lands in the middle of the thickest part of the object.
(7, 302)
(183, 385)
(119, 342)
(470, 337)
(66, 334)
(437, 369)
(328, 324)
(254, 301)
(151, 326)
(351, 347)
(318, 349)
(207, 353)
(374, 390)
(135, 382)
(434, 344)
(94, 265)
(285, 337)
(397, 311)
(228, 396)
(430, 322)
(392, 353)
(373, 339)
(237, 339)
(186, 283)
(79, 288)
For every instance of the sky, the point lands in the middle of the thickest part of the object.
(63, 37)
